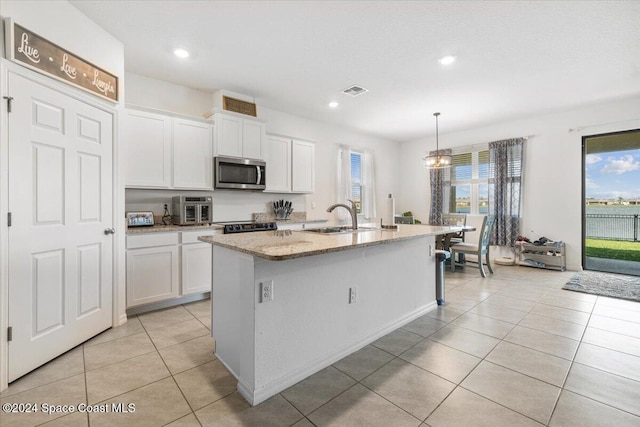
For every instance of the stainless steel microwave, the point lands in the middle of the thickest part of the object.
(239, 174)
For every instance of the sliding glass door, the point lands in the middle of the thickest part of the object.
(611, 202)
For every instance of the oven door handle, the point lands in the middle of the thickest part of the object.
(259, 175)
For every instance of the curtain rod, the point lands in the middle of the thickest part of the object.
(581, 128)
(472, 147)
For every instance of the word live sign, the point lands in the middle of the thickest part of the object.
(33, 51)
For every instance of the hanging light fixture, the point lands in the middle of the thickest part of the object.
(437, 160)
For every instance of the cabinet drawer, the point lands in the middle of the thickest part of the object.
(192, 236)
(152, 239)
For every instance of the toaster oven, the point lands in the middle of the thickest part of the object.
(190, 210)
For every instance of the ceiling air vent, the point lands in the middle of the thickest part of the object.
(355, 90)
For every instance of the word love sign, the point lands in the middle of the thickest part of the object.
(31, 50)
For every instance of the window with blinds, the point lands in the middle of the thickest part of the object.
(356, 180)
(469, 176)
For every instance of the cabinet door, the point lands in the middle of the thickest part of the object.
(152, 275)
(253, 139)
(196, 268)
(229, 135)
(278, 165)
(192, 155)
(147, 141)
(302, 167)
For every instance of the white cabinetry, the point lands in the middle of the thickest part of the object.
(192, 154)
(164, 266)
(278, 164)
(152, 268)
(237, 136)
(290, 165)
(147, 138)
(196, 263)
(303, 167)
(167, 152)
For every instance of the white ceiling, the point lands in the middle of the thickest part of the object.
(514, 59)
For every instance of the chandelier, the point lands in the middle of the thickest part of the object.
(437, 160)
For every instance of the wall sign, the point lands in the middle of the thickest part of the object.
(29, 49)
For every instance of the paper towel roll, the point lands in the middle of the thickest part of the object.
(389, 215)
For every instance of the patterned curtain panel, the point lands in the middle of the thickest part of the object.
(506, 170)
(440, 188)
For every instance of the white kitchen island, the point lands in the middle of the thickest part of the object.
(330, 296)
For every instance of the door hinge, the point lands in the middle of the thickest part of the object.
(8, 219)
(9, 99)
(9, 333)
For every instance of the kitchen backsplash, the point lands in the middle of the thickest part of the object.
(270, 216)
(227, 205)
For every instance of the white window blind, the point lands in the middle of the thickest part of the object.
(356, 179)
(469, 175)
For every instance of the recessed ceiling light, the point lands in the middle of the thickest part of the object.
(333, 104)
(447, 60)
(181, 53)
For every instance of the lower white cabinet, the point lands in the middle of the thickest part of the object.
(165, 266)
(152, 275)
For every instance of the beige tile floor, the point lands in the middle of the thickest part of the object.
(512, 349)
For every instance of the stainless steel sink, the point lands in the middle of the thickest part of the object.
(338, 230)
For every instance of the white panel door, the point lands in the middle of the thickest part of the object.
(196, 268)
(147, 141)
(302, 167)
(278, 177)
(253, 139)
(60, 197)
(228, 135)
(192, 155)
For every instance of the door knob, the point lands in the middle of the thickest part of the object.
(108, 231)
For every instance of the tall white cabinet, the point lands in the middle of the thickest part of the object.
(167, 151)
(290, 165)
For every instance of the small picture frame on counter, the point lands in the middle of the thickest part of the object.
(140, 219)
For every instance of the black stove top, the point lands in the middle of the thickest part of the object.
(247, 227)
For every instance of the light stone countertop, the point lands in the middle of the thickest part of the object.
(158, 228)
(287, 244)
(218, 226)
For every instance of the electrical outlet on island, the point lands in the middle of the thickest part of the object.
(266, 291)
(353, 295)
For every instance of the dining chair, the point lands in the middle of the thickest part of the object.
(479, 248)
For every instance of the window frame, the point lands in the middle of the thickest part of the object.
(354, 182)
(474, 182)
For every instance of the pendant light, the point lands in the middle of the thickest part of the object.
(437, 160)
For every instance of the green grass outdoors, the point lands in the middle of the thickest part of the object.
(613, 249)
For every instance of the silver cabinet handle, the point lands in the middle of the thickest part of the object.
(259, 175)
(108, 231)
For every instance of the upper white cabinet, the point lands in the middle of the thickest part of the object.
(147, 140)
(303, 171)
(290, 165)
(192, 154)
(167, 152)
(278, 169)
(237, 136)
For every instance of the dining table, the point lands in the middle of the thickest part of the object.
(444, 241)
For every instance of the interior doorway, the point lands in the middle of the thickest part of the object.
(611, 202)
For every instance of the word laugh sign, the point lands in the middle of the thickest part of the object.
(33, 51)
